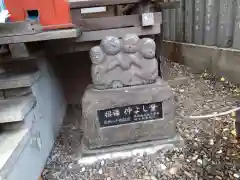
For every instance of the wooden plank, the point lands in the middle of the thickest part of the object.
(180, 21)
(65, 47)
(95, 3)
(43, 36)
(113, 22)
(173, 18)
(120, 32)
(166, 23)
(236, 35)
(226, 23)
(167, 5)
(211, 22)
(19, 28)
(199, 12)
(76, 13)
(189, 21)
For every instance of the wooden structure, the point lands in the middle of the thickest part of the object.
(121, 17)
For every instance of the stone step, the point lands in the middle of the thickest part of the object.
(15, 109)
(10, 145)
(18, 80)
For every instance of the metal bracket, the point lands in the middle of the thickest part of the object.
(147, 19)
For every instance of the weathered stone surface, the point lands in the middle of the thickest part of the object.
(94, 100)
(12, 80)
(124, 62)
(199, 57)
(15, 109)
(17, 92)
(228, 66)
(222, 62)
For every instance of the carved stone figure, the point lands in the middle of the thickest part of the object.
(126, 62)
(130, 44)
(98, 69)
(113, 115)
(146, 65)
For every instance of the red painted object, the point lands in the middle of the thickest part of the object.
(52, 14)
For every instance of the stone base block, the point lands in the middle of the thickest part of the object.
(97, 136)
(144, 147)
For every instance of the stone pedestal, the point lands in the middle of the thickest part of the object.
(128, 115)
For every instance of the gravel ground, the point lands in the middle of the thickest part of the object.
(211, 150)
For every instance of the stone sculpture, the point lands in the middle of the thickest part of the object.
(128, 102)
(126, 62)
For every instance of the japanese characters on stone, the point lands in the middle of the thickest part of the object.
(130, 114)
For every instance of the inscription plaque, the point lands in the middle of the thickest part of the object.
(130, 114)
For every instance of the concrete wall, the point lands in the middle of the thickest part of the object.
(222, 62)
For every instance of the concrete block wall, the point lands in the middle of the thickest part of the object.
(222, 62)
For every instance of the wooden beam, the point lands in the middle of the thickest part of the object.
(65, 47)
(43, 36)
(96, 3)
(113, 22)
(120, 32)
(167, 5)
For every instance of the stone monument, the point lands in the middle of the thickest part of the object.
(128, 102)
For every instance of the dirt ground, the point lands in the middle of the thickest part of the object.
(211, 150)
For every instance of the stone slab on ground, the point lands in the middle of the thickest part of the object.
(94, 100)
(175, 142)
(15, 109)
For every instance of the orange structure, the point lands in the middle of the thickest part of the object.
(52, 14)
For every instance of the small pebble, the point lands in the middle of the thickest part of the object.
(211, 142)
(139, 160)
(236, 175)
(222, 79)
(181, 90)
(83, 169)
(102, 162)
(153, 178)
(100, 171)
(173, 170)
(194, 157)
(225, 138)
(188, 174)
(199, 161)
(146, 177)
(218, 177)
(162, 167)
